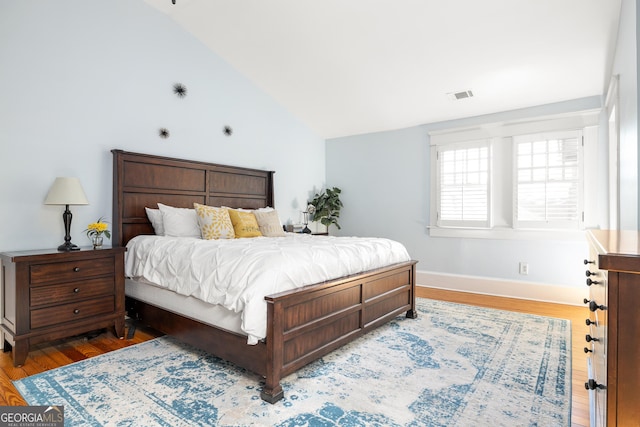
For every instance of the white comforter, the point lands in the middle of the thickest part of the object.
(239, 273)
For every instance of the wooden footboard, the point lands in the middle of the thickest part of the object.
(305, 324)
(302, 325)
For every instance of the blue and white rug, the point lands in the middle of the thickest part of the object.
(455, 365)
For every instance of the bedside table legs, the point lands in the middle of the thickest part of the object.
(19, 352)
(119, 327)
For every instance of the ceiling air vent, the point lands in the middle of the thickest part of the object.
(460, 95)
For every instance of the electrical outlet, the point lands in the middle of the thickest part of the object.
(524, 268)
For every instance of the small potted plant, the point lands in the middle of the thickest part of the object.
(95, 230)
(327, 205)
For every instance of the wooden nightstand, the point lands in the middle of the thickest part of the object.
(48, 295)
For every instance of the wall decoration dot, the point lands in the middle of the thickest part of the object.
(180, 90)
(227, 130)
(164, 133)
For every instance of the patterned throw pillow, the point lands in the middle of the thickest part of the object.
(244, 223)
(214, 222)
(269, 223)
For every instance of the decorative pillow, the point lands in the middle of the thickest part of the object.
(155, 217)
(215, 223)
(269, 223)
(179, 222)
(244, 223)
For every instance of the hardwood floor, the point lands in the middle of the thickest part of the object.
(59, 353)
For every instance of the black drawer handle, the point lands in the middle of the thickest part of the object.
(589, 338)
(76, 290)
(593, 306)
(586, 261)
(591, 322)
(586, 350)
(76, 311)
(592, 385)
(592, 282)
(590, 273)
(76, 269)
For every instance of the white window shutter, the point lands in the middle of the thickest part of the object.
(464, 184)
(548, 180)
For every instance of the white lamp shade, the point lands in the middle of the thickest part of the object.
(66, 191)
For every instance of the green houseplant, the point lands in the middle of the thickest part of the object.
(326, 207)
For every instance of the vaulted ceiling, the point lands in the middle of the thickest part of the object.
(346, 67)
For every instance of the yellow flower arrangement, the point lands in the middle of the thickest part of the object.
(98, 228)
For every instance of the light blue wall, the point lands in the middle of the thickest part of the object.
(81, 77)
(385, 189)
(625, 66)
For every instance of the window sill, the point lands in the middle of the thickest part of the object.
(499, 233)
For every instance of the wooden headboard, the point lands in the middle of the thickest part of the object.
(143, 180)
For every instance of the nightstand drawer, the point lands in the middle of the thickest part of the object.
(71, 312)
(70, 270)
(68, 292)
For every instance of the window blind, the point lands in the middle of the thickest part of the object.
(548, 181)
(464, 185)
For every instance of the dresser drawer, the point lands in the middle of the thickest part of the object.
(70, 270)
(68, 292)
(70, 312)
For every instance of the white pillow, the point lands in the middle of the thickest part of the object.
(155, 217)
(179, 222)
(267, 209)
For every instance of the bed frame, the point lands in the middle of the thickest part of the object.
(302, 325)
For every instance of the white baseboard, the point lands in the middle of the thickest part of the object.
(504, 288)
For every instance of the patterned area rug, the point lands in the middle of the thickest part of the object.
(455, 365)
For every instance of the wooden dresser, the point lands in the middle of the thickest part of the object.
(48, 295)
(613, 343)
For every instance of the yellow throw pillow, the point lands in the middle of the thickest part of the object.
(244, 223)
(215, 223)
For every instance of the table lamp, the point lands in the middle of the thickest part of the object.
(66, 191)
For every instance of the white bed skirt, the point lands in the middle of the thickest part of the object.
(187, 306)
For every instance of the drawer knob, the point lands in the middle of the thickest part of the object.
(586, 350)
(76, 290)
(592, 385)
(593, 306)
(589, 338)
(76, 311)
(586, 261)
(76, 269)
(592, 282)
(589, 273)
(591, 322)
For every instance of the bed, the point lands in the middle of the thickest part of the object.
(302, 324)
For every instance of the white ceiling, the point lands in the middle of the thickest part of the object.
(346, 67)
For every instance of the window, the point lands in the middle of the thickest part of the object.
(548, 180)
(521, 179)
(464, 185)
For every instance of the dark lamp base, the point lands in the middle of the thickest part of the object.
(68, 246)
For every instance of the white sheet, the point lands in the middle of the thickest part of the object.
(239, 273)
